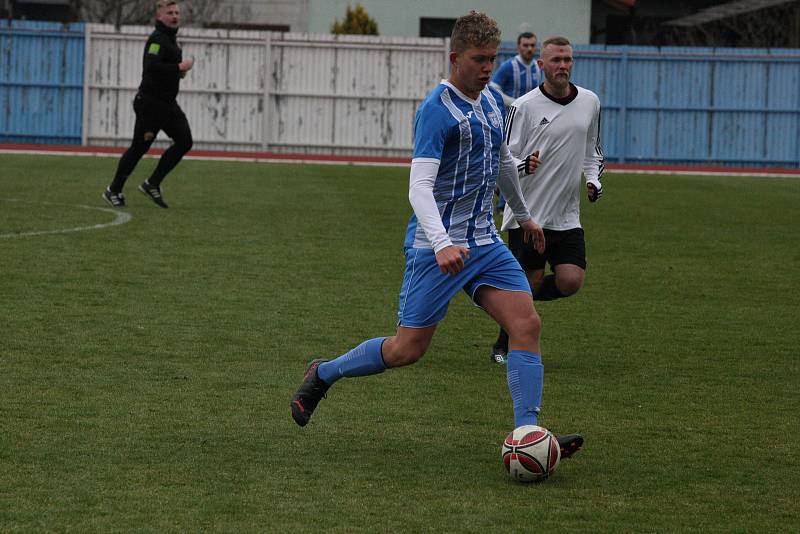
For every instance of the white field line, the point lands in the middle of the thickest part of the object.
(121, 217)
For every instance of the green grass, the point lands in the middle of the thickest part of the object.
(146, 368)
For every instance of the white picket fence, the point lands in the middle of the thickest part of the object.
(270, 91)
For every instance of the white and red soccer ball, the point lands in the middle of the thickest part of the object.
(530, 453)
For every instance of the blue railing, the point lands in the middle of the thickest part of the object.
(41, 82)
(660, 105)
(694, 105)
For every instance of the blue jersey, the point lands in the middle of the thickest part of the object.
(515, 78)
(464, 136)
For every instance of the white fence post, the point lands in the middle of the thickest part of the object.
(267, 106)
(87, 72)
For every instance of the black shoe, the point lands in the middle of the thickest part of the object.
(153, 192)
(117, 200)
(569, 444)
(498, 355)
(308, 395)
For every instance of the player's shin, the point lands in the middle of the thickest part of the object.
(525, 381)
(366, 359)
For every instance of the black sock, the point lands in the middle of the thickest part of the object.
(126, 165)
(548, 290)
(502, 340)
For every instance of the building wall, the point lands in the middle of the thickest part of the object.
(292, 13)
(571, 18)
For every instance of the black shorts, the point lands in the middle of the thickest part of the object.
(154, 115)
(561, 246)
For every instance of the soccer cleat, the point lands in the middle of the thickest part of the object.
(498, 355)
(311, 391)
(117, 200)
(569, 444)
(153, 192)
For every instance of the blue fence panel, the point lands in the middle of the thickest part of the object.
(684, 96)
(603, 75)
(660, 105)
(41, 82)
(783, 128)
(694, 105)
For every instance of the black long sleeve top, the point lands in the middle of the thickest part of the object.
(160, 74)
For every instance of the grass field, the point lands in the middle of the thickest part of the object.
(146, 368)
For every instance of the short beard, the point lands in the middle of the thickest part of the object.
(557, 82)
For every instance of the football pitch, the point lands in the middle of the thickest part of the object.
(146, 365)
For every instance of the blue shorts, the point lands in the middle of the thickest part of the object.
(426, 292)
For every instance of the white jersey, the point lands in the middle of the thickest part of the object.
(566, 132)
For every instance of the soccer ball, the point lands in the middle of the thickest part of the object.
(530, 453)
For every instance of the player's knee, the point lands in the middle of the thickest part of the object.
(569, 285)
(185, 143)
(139, 147)
(527, 328)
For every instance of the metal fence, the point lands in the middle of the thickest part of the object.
(345, 95)
(278, 92)
(41, 82)
(694, 105)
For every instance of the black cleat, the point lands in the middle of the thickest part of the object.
(569, 444)
(308, 395)
(153, 192)
(498, 354)
(117, 200)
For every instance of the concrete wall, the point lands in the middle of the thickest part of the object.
(571, 18)
(292, 13)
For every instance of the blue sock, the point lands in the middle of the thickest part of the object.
(525, 380)
(365, 359)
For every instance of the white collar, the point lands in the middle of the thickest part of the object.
(519, 58)
(462, 95)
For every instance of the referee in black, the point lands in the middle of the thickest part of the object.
(156, 108)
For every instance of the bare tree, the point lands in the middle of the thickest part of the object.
(773, 27)
(122, 12)
(201, 12)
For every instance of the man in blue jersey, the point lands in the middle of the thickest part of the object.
(452, 243)
(516, 77)
(521, 73)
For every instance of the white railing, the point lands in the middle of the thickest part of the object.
(270, 91)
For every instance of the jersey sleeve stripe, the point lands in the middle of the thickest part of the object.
(509, 121)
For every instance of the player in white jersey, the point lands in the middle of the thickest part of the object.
(559, 124)
(451, 242)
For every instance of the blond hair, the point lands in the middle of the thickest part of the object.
(474, 30)
(556, 40)
(161, 4)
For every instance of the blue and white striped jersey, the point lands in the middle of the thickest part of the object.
(464, 137)
(515, 78)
